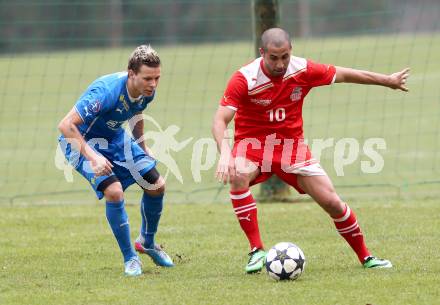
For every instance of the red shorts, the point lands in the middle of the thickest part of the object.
(285, 161)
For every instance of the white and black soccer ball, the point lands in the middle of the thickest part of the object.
(285, 261)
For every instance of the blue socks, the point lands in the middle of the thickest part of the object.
(151, 209)
(118, 220)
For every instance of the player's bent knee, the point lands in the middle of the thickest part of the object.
(155, 183)
(333, 204)
(334, 201)
(157, 189)
(239, 182)
(114, 192)
(149, 178)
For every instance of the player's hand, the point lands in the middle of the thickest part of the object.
(398, 80)
(225, 168)
(101, 166)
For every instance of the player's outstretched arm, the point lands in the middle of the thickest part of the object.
(68, 127)
(394, 81)
(226, 165)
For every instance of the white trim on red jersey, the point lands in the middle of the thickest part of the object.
(296, 65)
(257, 81)
(253, 74)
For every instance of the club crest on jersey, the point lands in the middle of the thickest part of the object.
(296, 94)
(261, 102)
(95, 106)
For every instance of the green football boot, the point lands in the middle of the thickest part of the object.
(256, 261)
(372, 262)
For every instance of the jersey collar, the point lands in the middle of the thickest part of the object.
(133, 99)
(271, 77)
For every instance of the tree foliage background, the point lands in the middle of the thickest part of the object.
(57, 24)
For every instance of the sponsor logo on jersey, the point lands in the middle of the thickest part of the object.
(114, 125)
(124, 102)
(296, 94)
(261, 102)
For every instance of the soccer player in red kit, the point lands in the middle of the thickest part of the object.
(266, 98)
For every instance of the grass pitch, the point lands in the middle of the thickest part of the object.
(65, 254)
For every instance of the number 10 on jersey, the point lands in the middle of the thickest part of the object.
(278, 114)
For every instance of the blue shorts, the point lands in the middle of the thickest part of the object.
(129, 160)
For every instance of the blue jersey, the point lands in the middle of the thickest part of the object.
(106, 105)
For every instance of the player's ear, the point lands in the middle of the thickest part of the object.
(261, 51)
(131, 73)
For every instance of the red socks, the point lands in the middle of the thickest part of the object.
(246, 210)
(347, 226)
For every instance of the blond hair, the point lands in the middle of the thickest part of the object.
(143, 55)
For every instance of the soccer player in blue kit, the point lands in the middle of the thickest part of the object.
(95, 143)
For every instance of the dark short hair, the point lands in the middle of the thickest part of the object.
(276, 36)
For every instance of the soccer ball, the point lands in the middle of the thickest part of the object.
(285, 261)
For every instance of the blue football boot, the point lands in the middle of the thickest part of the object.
(159, 256)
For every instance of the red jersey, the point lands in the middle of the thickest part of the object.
(268, 105)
